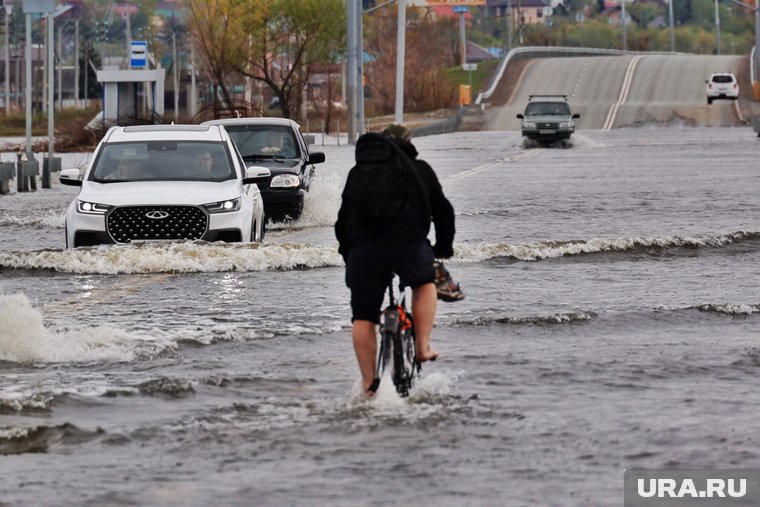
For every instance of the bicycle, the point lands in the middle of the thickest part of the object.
(397, 346)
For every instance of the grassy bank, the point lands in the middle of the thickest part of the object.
(15, 125)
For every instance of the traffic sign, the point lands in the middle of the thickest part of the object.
(138, 54)
(470, 66)
(459, 9)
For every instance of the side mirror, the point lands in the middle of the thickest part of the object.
(70, 177)
(256, 174)
(576, 116)
(316, 158)
(520, 117)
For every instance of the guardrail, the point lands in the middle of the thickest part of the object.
(450, 124)
(541, 52)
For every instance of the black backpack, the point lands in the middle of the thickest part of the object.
(384, 185)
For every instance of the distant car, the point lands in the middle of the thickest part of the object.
(722, 85)
(289, 160)
(164, 183)
(548, 118)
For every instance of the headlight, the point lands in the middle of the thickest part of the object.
(92, 208)
(285, 181)
(223, 206)
(566, 125)
(529, 125)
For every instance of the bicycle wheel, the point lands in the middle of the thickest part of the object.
(389, 324)
(405, 364)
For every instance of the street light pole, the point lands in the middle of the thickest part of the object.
(672, 34)
(8, 12)
(625, 33)
(400, 56)
(717, 28)
(28, 97)
(351, 69)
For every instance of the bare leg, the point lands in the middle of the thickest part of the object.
(424, 301)
(365, 346)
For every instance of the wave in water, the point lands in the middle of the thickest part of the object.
(53, 220)
(320, 207)
(541, 250)
(557, 318)
(20, 440)
(24, 338)
(193, 257)
(728, 309)
(175, 258)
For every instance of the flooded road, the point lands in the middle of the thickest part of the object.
(611, 320)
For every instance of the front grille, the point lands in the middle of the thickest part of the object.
(168, 222)
(548, 125)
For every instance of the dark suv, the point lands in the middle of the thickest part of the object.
(277, 144)
(548, 118)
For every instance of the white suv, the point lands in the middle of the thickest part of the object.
(722, 85)
(165, 183)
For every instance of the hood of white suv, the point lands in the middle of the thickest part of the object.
(140, 193)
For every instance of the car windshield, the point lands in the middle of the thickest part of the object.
(264, 141)
(162, 161)
(547, 108)
(723, 79)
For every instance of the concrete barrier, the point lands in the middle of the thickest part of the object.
(49, 165)
(26, 175)
(7, 173)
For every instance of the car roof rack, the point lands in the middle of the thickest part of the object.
(531, 97)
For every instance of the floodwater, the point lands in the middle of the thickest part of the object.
(611, 321)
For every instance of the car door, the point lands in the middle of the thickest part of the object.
(307, 170)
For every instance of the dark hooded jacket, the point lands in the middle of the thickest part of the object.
(351, 231)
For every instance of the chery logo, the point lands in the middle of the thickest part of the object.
(157, 215)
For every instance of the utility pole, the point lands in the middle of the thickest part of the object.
(717, 28)
(400, 56)
(60, 68)
(193, 90)
(672, 31)
(462, 37)
(8, 12)
(129, 38)
(76, 64)
(360, 67)
(509, 25)
(625, 33)
(28, 72)
(175, 66)
(51, 89)
(351, 69)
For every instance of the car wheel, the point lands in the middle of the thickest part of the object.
(258, 229)
(709, 100)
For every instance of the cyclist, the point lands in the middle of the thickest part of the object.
(372, 254)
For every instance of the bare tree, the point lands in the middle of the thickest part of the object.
(428, 54)
(285, 40)
(217, 31)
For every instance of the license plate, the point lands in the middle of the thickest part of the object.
(547, 131)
